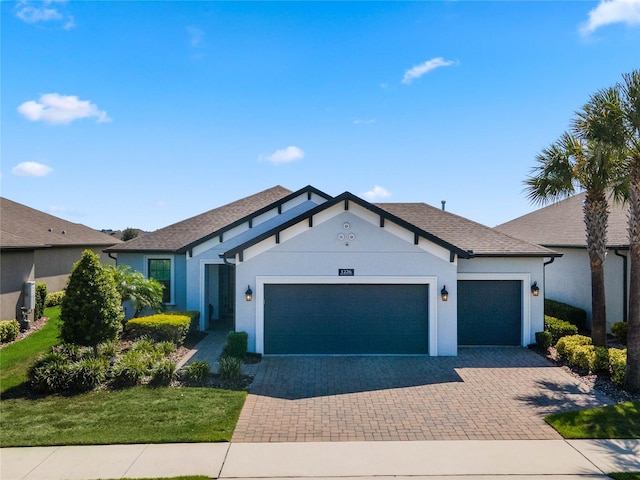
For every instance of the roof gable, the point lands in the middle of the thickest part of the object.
(562, 225)
(24, 227)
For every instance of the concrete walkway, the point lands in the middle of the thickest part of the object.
(499, 459)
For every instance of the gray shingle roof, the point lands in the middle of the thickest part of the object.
(22, 227)
(462, 232)
(182, 234)
(562, 224)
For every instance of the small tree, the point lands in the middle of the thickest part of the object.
(134, 287)
(91, 310)
(129, 233)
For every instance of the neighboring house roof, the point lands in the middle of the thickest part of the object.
(562, 225)
(24, 228)
(184, 235)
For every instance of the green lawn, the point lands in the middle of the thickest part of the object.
(135, 415)
(614, 421)
(16, 358)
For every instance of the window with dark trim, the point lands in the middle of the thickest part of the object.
(160, 270)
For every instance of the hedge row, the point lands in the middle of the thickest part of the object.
(578, 351)
(558, 328)
(171, 327)
(9, 330)
(568, 313)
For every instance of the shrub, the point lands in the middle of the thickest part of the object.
(41, 296)
(601, 362)
(566, 344)
(617, 365)
(49, 373)
(558, 328)
(230, 368)
(90, 311)
(165, 348)
(87, 374)
(197, 373)
(582, 356)
(53, 299)
(568, 313)
(160, 327)
(619, 330)
(163, 372)
(9, 330)
(129, 370)
(236, 344)
(72, 352)
(194, 315)
(543, 340)
(109, 349)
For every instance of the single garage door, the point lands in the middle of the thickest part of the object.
(489, 312)
(346, 319)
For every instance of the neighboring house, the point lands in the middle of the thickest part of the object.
(38, 247)
(561, 227)
(305, 272)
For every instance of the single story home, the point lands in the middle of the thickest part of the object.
(560, 226)
(307, 273)
(38, 247)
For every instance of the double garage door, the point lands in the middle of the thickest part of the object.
(346, 319)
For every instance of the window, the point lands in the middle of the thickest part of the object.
(160, 269)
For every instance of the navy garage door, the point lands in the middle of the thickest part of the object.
(346, 319)
(489, 312)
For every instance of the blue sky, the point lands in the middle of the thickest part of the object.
(139, 114)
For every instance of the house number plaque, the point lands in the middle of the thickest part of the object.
(346, 272)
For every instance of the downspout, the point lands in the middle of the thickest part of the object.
(113, 258)
(544, 275)
(625, 307)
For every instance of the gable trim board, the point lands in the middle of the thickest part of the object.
(305, 238)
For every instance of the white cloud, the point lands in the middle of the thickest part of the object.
(424, 68)
(196, 36)
(285, 155)
(59, 109)
(612, 11)
(44, 11)
(377, 193)
(31, 169)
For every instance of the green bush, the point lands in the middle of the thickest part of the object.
(161, 327)
(129, 370)
(617, 365)
(601, 362)
(109, 349)
(163, 372)
(49, 373)
(237, 344)
(565, 345)
(558, 328)
(230, 368)
(9, 330)
(87, 374)
(197, 373)
(91, 310)
(543, 340)
(72, 352)
(568, 313)
(53, 299)
(619, 330)
(582, 356)
(194, 315)
(41, 295)
(165, 348)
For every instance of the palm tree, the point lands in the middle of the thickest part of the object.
(586, 159)
(630, 89)
(134, 288)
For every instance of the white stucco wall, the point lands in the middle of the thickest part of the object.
(317, 253)
(568, 280)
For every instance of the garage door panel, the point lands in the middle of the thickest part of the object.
(489, 312)
(345, 319)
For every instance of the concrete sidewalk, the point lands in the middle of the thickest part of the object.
(526, 459)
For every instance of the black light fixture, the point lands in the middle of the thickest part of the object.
(444, 294)
(535, 289)
(248, 295)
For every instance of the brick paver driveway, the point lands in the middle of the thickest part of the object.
(483, 393)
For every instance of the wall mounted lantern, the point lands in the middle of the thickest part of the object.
(444, 294)
(248, 295)
(535, 289)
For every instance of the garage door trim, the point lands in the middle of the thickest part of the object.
(422, 280)
(525, 278)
